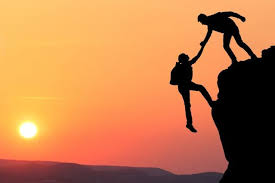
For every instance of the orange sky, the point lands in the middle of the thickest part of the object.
(94, 76)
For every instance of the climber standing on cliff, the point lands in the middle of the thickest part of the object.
(181, 75)
(221, 22)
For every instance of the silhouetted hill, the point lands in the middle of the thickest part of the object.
(244, 116)
(12, 171)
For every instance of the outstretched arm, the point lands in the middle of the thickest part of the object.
(208, 35)
(233, 14)
(194, 60)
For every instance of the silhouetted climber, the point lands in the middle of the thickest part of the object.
(221, 22)
(181, 75)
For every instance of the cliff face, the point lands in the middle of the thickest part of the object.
(244, 116)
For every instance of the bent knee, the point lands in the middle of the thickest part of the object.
(187, 104)
(226, 46)
(200, 88)
(241, 43)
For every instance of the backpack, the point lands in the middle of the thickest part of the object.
(174, 79)
(181, 73)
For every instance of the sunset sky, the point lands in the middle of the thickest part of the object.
(93, 75)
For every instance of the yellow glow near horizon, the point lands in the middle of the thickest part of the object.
(28, 130)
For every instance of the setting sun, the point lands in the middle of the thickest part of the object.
(28, 130)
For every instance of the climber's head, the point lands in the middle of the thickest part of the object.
(183, 58)
(202, 18)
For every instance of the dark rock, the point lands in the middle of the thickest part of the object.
(244, 117)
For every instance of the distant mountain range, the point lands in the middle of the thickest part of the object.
(13, 171)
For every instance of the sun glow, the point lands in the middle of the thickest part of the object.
(28, 130)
